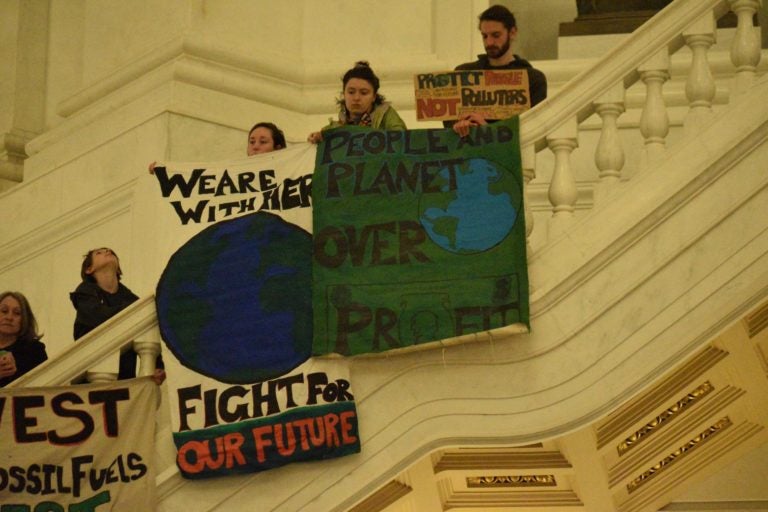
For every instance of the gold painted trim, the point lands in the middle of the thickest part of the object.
(663, 418)
(500, 459)
(679, 453)
(382, 498)
(757, 320)
(512, 481)
(621, 420)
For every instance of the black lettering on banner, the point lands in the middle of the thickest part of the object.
(177, 181)
(287, 383)
(58, 405)
(226, 182)
(185, 395)
(319, 385)
(241, 411)
(109, 398)
(332, 245)
(209, 405)
(136, 464)
(22, 423)
(192, 214)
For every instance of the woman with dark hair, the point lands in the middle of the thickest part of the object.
(20, 347)
(361, 104)
(265, 137)
(99, 297)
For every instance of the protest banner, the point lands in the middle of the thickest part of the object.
(234, 309)
(221, 429)
(418, 236)
(497, 94)
(86, 448)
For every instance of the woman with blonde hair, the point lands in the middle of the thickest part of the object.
(20, 347)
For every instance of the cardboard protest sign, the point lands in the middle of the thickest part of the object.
(87, 447)
(418, 236)
(497, 94)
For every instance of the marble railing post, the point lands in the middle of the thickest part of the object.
(102, 377)
(148, 347)
(654, 121)
(745, 48)
(609, 153)
(700, 85)
(528, 161)
(562, 190)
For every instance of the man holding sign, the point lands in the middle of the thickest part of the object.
(498, 29)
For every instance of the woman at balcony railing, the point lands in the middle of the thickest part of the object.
(361, 104)
(264, 138)
(20, 347)
(100, 296)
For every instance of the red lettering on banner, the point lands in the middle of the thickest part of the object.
(332, 437)
(346, 426)
(271, 442)
(285, 447)
(227, 452)
(258, 438)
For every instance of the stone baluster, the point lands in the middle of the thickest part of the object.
(528, 161)
(700, 86)
(562, 190)
(609, 154)
(148, 352)
(745, 48)
(654, 121)
(100, 377)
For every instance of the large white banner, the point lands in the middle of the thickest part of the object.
(234, 310)
(79, 448)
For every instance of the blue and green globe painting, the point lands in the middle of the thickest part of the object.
(235, 302)
(477, 214)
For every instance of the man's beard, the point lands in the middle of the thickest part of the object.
(495, 52)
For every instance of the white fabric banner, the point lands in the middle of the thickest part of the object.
(88, 447)
(183, 198)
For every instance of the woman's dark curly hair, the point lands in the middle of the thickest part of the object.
(363, 71)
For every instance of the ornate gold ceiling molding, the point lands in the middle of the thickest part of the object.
(485, 499)
(502, 459)
(706, 413)
(511, 481)
(382, 498)
(625, 417)
(678, 454)
(714, 453)
(666, 416)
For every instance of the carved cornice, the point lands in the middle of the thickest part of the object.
(528, 498)
(678, 454)
(622, 420)
(382, 498)
(757, 320)
(467, 460)
(667, 415)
